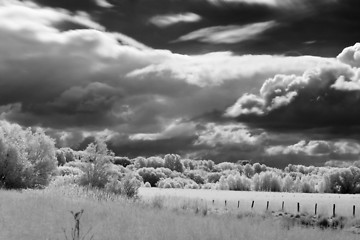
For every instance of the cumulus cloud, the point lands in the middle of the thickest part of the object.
(171, 19)
(351, 55)
(228, 34)
(326, 96)
(336, 149)
(310, 148)
(231, 134)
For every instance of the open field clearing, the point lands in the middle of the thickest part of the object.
(344, 203)
(43, 215)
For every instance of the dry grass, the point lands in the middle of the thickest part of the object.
(344, 203)
(37, 215)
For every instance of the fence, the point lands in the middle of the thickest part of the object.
(298, 207)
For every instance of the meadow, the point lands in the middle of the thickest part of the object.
(45, 214)
(44, 189)
(242, 200)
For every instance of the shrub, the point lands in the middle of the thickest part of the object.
(95, 174)
(195, 175)
(128, 186)
(151, 175)
(27, 158)
(97, 170)
(66, 170)
(238, 183)
(213, 177)
(172, 161)
(177, 183)
(123, 161)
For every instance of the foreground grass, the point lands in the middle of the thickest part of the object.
(36, 215)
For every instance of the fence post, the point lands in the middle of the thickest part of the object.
(354, 211)
(252, 204)
(282, 206)
(298, 207)
(267, 205)
(225, 203)
(238, 204)
(334, 210)
(315, 208)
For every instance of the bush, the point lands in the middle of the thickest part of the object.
(97, 170)
(123, 161)
(195, 175)
(27, 158)
(172, 161)
(66, 171)
(177, 183)
(213, 177)
(128, 186)
(151, 175)
(95, 174)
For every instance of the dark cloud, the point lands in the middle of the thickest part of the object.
(83, 5)
(302, 26)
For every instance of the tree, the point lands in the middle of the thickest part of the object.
(97, 170)
(172, 161)
(27, 157)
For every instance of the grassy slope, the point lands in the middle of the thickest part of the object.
(36, 215)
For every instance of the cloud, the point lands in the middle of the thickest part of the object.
(311, 148)
(316, 151)
(326, 96)
(78, 82)
(84, 5)
(28, 16)
(228, 34)
(103, 3)
(351, 55)
(171, 19)
(89, 80)
(175, 129)
(231, 134)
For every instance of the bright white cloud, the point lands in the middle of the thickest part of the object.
(340, 148)
(228, 34)
(229, 135)
(171, 19)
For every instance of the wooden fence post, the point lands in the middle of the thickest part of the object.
(315, 208)
(267, 205)
(252, 204)
(225, 203)
(282, 206)
(298, 207)
(238, 204)
(334, 210)
(354, 211)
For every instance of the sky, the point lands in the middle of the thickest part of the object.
(272, 81)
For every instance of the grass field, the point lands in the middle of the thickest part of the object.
(44, 214)
(343, 203)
